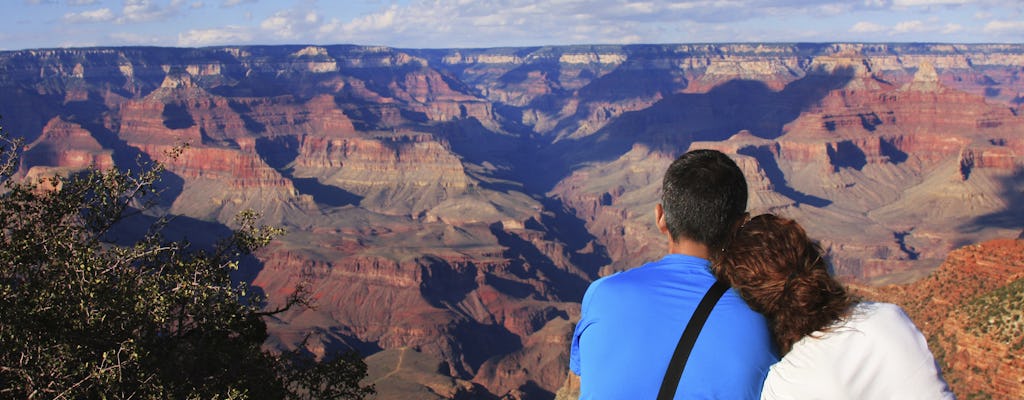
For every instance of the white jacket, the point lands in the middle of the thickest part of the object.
(875, 353)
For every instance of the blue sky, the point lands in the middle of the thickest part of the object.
(494, 23)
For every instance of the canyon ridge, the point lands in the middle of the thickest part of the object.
(447, 208)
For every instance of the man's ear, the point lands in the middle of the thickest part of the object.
(659, 217)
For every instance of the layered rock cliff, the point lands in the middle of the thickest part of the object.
(448, 207)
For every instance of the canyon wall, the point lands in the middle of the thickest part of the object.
(447, 208)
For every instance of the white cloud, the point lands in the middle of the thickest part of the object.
(682, 6)
(281, 25)
(641, 7)
(126, 38)
(299, 23)
(373, 22)
(147, 10)
(524, 22)
(232, 3)
(476, 23)
(1003, 27)
(932, 26)
(866, 27)
(210, 37)
(833, 9)
(910, 27)
(101, 15)
(918, 3)
(528, 22)
(139, 10)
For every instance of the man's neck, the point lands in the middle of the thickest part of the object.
(689, 248)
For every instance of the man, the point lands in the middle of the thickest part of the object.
(632, 321)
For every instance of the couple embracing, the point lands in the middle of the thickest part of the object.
(740, 308)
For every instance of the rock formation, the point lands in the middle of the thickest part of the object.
(65, 145)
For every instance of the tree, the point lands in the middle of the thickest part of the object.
(81, 317)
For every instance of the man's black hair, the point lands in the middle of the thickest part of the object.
(703, 194)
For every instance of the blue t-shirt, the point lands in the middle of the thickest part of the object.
(632, 321)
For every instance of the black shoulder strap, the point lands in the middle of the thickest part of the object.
(675, 367)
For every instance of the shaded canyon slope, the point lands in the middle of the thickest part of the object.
(447, 208)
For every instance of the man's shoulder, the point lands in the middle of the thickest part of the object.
(690, 270)
(613, 282)
(667, 264)
(680, 281)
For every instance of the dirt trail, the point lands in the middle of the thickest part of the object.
(398, 366)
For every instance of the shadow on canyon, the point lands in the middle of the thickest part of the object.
(445, 286)
(771, 169)
(530, 263)
(476, 144)
(1012, 216)
(90, 115)
(279, 152)
(25, 112)
(672, 124)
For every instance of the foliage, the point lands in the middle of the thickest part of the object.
(998, 313)
(81, 317)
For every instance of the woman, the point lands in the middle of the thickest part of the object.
(832, 346)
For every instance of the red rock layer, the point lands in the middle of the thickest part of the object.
(141, 121)
(923, 119)
(66, 145)
(239, 169)
(217, 118)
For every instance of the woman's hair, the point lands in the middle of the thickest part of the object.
(780, 273)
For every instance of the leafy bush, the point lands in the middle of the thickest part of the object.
(81, 317)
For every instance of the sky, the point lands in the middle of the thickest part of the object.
(500, 23)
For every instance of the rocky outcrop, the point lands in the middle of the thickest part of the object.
(404, 173)
(239, 168)
(67, 145)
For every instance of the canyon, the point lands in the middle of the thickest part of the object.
(447, 208)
